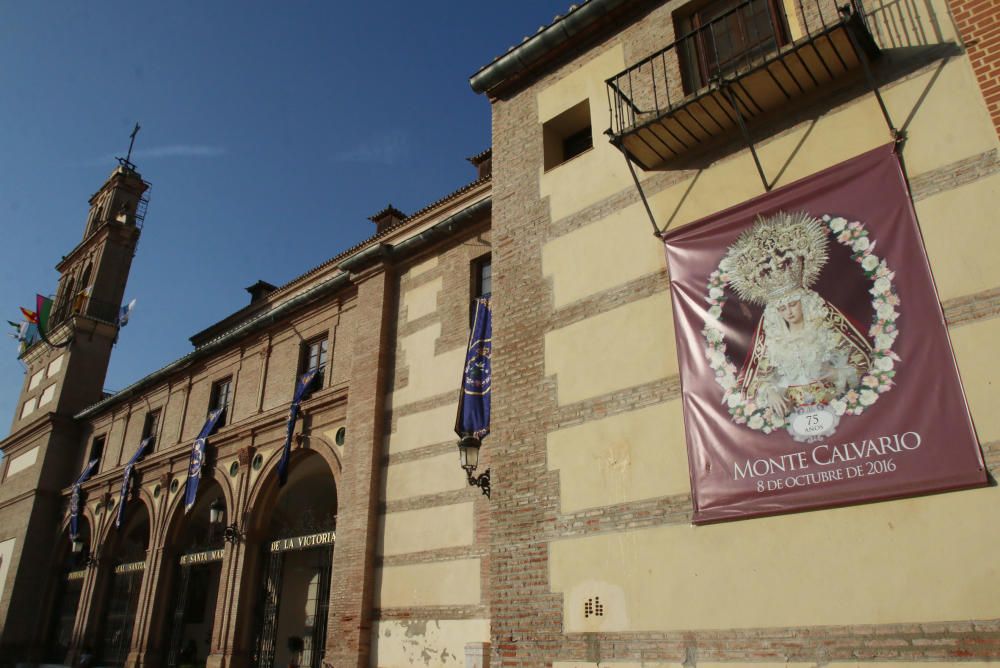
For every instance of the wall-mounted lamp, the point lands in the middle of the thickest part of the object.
(216, 513)
(77, 546)
(468, 457)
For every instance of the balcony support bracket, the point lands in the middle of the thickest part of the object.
(898, 136)
(726, 90)
(638, 186)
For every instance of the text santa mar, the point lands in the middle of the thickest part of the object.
(303, 542)
(202, 557)
(131, 567)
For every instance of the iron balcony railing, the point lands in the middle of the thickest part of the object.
(85, 306)
(718, 50)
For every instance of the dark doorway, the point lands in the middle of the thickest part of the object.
(297, 558)
(127, 556)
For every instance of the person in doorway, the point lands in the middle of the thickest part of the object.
(188, 655)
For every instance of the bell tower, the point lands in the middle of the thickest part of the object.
(67, 366)
(66, 371)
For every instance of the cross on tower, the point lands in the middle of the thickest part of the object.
(127, 160)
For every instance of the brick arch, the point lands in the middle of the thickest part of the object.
(142, 496)
(172, 515)
(85, 514)
(264, 489)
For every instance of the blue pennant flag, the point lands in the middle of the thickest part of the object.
(124, 312)
(474, 400)
(127, 480)
(305, 382)
(198, 459)
(74, 500)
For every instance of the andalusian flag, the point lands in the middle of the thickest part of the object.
(43, 306)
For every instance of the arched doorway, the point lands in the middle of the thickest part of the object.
(296, 533)
(69, 575)
(123, 560)
(194, 548)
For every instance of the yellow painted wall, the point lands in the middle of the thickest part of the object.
(423, 267)
(440, 583)
(430, 374)
(583, 263)
(979, 366)
(629, 345)
(626, 457)
(436, 425)
(424, 476)
(897, 562)
(420, 642)
(421, 300)
(427, 529)
(957, 225)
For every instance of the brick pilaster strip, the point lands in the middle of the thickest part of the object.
(352, 586)
(978, 22)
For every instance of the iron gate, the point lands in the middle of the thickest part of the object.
(267, 623)
(122, 606)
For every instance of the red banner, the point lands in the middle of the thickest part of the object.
(815, 361)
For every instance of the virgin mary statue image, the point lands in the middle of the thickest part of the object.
(804, 352)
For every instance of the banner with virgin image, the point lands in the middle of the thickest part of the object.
(815, 361)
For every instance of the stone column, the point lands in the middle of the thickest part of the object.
(352, 584)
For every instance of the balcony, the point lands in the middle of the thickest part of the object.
(737, 63)
(84, 306)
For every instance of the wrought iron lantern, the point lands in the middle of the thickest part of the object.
(216, 514)
(468, 457)
(216, 511)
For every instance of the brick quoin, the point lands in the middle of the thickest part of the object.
(979, 25)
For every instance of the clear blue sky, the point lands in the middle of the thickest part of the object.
(270, 131)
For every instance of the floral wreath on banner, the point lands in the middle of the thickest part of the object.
(883, 332)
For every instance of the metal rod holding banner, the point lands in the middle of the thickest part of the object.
(638, 186)
(898, 136)
(724, 87)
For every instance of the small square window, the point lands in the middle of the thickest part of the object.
(482, 282)
(567, 135)
(221, 391)
(97, 448)
(483, 279)
(149, 426)
(314, 356)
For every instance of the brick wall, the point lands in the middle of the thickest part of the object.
(978, 23)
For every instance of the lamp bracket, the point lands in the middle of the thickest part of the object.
(482, 481)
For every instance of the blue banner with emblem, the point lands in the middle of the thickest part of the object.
(127, 480)
(198, 458)
(74, 500)
(305, 382)
(474, 400)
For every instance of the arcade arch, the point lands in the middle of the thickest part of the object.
(69, 575)
(122, 566)
(292, 536)
(190, 577)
